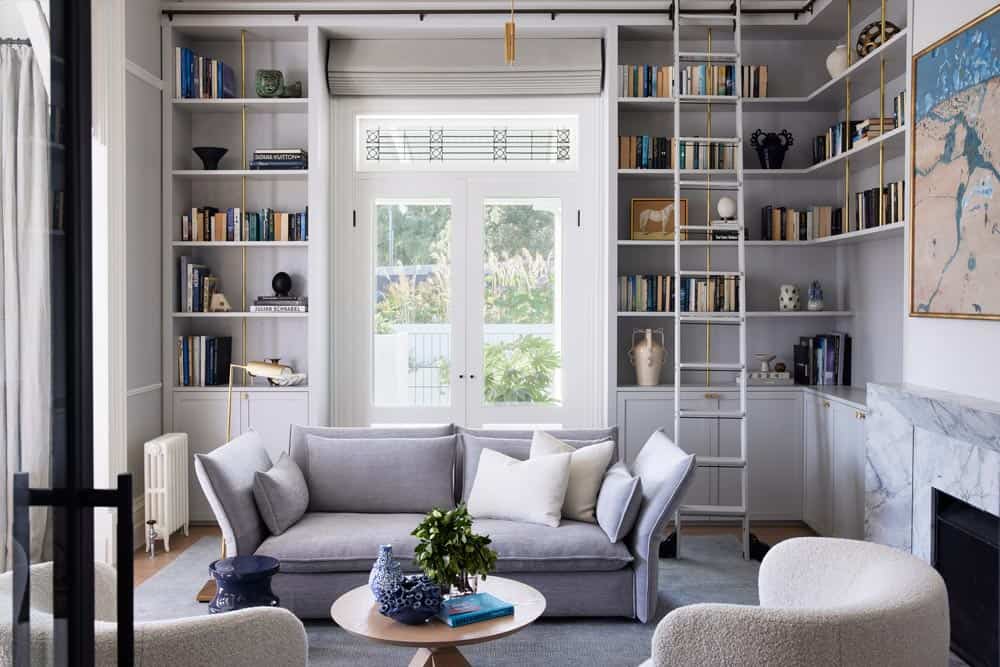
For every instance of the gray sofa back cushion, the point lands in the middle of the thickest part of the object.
(513, 443)
(226, 476)
(300, 453)
(379, 475)
(282, 494)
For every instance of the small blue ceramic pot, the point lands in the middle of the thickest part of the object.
(412, 602)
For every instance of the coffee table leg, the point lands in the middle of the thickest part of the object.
(448, 656)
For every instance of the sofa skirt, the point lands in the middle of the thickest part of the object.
(309, 596)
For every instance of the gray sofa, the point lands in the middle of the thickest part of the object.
(328, 552)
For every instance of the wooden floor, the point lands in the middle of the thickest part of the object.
(145, 567)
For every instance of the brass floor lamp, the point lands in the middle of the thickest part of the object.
(262, 369)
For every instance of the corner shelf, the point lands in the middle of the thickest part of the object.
(892, 139)
(235, 105)
(755, 314)
(891, 230)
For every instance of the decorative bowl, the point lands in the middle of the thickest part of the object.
(210, 156)
(412, 602)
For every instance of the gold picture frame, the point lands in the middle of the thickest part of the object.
(652, 218)
(917, 263)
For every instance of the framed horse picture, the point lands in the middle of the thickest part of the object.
(652, 219)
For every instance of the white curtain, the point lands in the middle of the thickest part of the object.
(25, 336)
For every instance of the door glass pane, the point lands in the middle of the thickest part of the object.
(412, 328)
(521, 342)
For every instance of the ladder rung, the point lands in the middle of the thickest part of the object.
(713, 510)
(711, 140)
(688, 272)
(707, 99)
(704, 56)
(716, 227)
(709, 366)
(710, 414)
(712, 319)
(720, 462)
(710, 185)
(714, 16)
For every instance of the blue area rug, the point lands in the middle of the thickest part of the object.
(710, 570)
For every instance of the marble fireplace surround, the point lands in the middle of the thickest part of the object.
(918, 439)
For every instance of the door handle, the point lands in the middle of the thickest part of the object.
(826, 404)
(461, 376)
(471, 376)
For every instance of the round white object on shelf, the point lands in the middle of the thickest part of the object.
(726, 208)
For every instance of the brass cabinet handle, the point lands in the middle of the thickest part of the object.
(859, 414)
(712, 394)
(826, 404)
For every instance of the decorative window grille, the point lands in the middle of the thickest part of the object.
(466, 143)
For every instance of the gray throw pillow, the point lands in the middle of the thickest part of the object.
(618, 502)
(281, 494)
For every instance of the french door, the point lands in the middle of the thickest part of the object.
(480, 299)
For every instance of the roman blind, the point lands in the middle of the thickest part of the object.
(464, 67)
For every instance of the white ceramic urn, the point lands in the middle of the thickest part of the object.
(647, 355)
(788, 298)
(836, 62)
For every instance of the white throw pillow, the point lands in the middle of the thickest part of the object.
(586, 472)
(530, 491)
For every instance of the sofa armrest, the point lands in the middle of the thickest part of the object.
(257, 636)
(727, 634)
(666, 471)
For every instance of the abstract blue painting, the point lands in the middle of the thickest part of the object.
(955, 229)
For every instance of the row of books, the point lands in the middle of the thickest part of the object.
(872, 128)
(779, 223)
(658, 80)
(196, 286)
(279, 158)
(215, 225)
(646, 152)
(867, 210)
(823, 359)
(196, 77)
(280, 304)
(655, 294)
(203, 361)
(835, 141)
(899, 108)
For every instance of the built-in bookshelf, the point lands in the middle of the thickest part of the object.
(803, 98)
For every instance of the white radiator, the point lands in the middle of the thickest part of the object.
(166, 461)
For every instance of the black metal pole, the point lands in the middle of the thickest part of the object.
(126, 626)
(21, 598)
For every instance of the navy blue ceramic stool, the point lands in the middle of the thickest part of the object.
(242, 582)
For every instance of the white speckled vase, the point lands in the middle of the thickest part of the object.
(788, 298)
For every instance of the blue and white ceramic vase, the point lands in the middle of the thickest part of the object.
(413, 601)
(386, 574)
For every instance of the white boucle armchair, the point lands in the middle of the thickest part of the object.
(823, 603)
(258, 636)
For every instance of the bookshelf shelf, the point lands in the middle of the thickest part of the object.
(894, 229)
(861, 156)
(240, 314)
(298, 105)
(222, 389)
(240, 244)
(257, 174)
(756, 314)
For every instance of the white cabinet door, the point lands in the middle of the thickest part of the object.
(848, 472)
(774, 444)
(272, 414)
(817, 510)
(202, 415)
(642, 413)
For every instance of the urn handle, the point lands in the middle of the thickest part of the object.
(787, 136)
(754, 141)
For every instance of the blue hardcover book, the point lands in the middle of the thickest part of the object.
(473, 609)
(228, 81)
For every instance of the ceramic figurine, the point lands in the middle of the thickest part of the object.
(386, 573)
(726, 208)
(815, 296)
(269, 83)
(771, 147)
(647, 356)
(219, 303)
(836, 62)
(788, 298)
(870, 37)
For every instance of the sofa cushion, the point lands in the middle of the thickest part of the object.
(587, 466)
(299, 450)
(380, 474)
(515, 444)
(618, 502)
(531, 490)
(322, 542)
(281, 493)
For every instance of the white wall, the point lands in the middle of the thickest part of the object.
(949, 354)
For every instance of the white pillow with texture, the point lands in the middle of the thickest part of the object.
(586, 472)
(531, 491)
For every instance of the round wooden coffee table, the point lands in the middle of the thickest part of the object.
(436, 642)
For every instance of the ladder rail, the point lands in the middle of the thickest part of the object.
(741, 255)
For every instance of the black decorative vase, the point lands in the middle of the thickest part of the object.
(210, 156)
(771, 148)
(281, 283)
(243, 582)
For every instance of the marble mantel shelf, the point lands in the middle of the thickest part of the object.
(972, 420)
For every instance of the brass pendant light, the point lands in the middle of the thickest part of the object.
(508, 37)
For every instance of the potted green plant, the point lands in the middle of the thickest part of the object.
(449, 553)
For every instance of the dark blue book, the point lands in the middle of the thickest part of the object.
(467, 609)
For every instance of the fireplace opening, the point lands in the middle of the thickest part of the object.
(965, 549)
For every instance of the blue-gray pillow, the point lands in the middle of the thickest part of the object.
(281, 494)
(618, 502)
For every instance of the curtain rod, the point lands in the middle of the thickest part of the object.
(297, 13)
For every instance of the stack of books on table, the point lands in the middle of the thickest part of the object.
(280, 158)
(280, 304)
(467, 609)
(871, 128)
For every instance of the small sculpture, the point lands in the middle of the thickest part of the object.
(836, 62)
(788, 298)
(772, 148)
(815, 296)
(726, 208)
(647, 356)
(271, 83)
(210, 156)
(779, 367)
(281, 283)
(765, 359)
(219, 303)
(871, 36)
